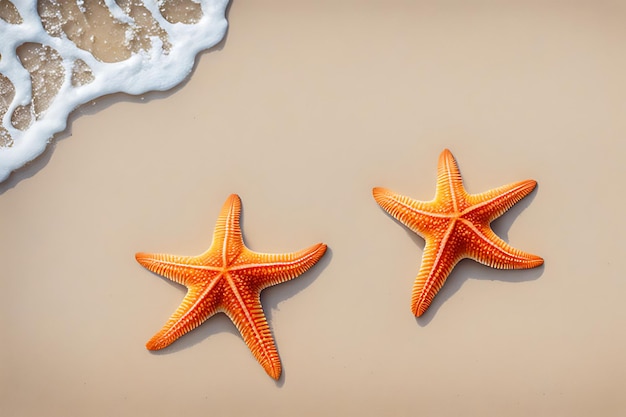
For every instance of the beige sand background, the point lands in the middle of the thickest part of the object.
(306, 107)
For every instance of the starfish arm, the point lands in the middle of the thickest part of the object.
(490, 205)
(195, 308)
(227, 238)
(246, 312)
(181, 269)
(450, 191)
(414, 214)
(437, 262)
(488, 249)
(264, 270)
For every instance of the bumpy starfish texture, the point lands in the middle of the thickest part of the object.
(455, 225)
(228, 278)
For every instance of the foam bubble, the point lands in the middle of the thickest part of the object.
(52, 60)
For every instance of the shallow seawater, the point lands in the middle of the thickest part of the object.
(57, 55)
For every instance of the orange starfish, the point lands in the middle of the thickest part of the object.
(228, 278)
(455, 225)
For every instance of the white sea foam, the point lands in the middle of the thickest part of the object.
(157, 67)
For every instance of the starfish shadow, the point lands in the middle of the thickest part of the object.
(273, 296)
(97, 105)
(469, 269)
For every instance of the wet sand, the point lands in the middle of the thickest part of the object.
(301, 111)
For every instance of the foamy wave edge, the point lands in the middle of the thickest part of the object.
(151, 70)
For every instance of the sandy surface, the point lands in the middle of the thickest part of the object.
(307, 106)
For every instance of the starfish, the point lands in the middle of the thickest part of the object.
(455, 226)
(228, 278)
